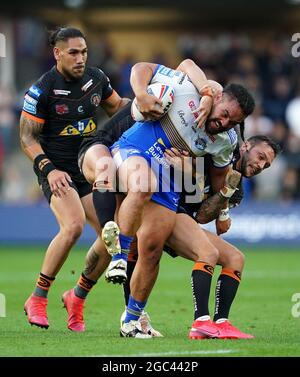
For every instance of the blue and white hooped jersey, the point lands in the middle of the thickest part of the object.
(179, 123)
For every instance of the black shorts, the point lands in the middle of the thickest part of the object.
(79, 184)
(108, 133)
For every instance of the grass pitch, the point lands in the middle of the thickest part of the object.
(263, 307)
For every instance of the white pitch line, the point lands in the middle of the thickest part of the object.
(171, 353)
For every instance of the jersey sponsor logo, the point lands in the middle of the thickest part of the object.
(29, 107)
(85, 87)
(95, 99)
(181, 115)
(61, 92)
(83, 127)
(61, 109)
(35, 92)
(200, 143)
(30, 100)
(182, 79)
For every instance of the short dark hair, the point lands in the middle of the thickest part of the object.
(63, 34)
(257, 139)
(243, 97)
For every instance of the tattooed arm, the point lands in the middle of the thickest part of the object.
(30, 129)
(211, 208)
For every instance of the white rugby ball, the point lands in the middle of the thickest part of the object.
(161, 91)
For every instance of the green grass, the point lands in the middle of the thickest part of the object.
(262, 307)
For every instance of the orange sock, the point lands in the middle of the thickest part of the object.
(43, 284)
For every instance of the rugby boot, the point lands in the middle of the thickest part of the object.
(133, 329)
(204, 329)
(35, 309)
(74, 306)
(228, 331)
(145, 323)
(110, 237)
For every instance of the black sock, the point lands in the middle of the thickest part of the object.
(105, 206)
(201, 281)
(226, 288)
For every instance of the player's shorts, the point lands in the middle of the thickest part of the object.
(108, 133)
(80, 185)
(147, 140)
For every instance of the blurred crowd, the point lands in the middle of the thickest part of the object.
(264, 64)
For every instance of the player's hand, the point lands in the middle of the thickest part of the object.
(59, 182)
(149, 106)
(175, 158)
(203, 110)
(223, 226)
(232, 181)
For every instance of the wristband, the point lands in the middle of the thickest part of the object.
(42, 163)
(224, 214)
(47, 168)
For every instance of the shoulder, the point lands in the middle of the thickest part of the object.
(96, 73)
(232, 137)
(42, 85)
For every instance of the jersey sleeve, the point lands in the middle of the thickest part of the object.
(35, 103)
(107, 89)
(165, 75)
(225, 156)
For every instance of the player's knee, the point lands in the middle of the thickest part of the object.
(141, 197)
(236, 259)
(74, 229)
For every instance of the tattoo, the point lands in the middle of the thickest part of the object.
(210, 208)
(91, 262)
(29, 132)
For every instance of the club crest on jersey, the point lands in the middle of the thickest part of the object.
(61, 109)
(95, 99)
(83, 127)
(200, 143)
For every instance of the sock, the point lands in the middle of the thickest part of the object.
(105, 206)
(134, 309)
(83, 286)
(132, 258)
(226, 288)
(201, 281)
(125, 242)
(43, 284)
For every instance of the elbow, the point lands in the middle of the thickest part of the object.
(186, 64)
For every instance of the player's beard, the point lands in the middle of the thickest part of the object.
(244, 163)
(69, 75)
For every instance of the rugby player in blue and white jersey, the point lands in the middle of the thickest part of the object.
(151, 212)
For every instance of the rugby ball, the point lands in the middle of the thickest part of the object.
(161, 91)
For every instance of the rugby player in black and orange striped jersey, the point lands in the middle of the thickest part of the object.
(59, 111)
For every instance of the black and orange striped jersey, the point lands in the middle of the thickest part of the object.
(67, 111)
